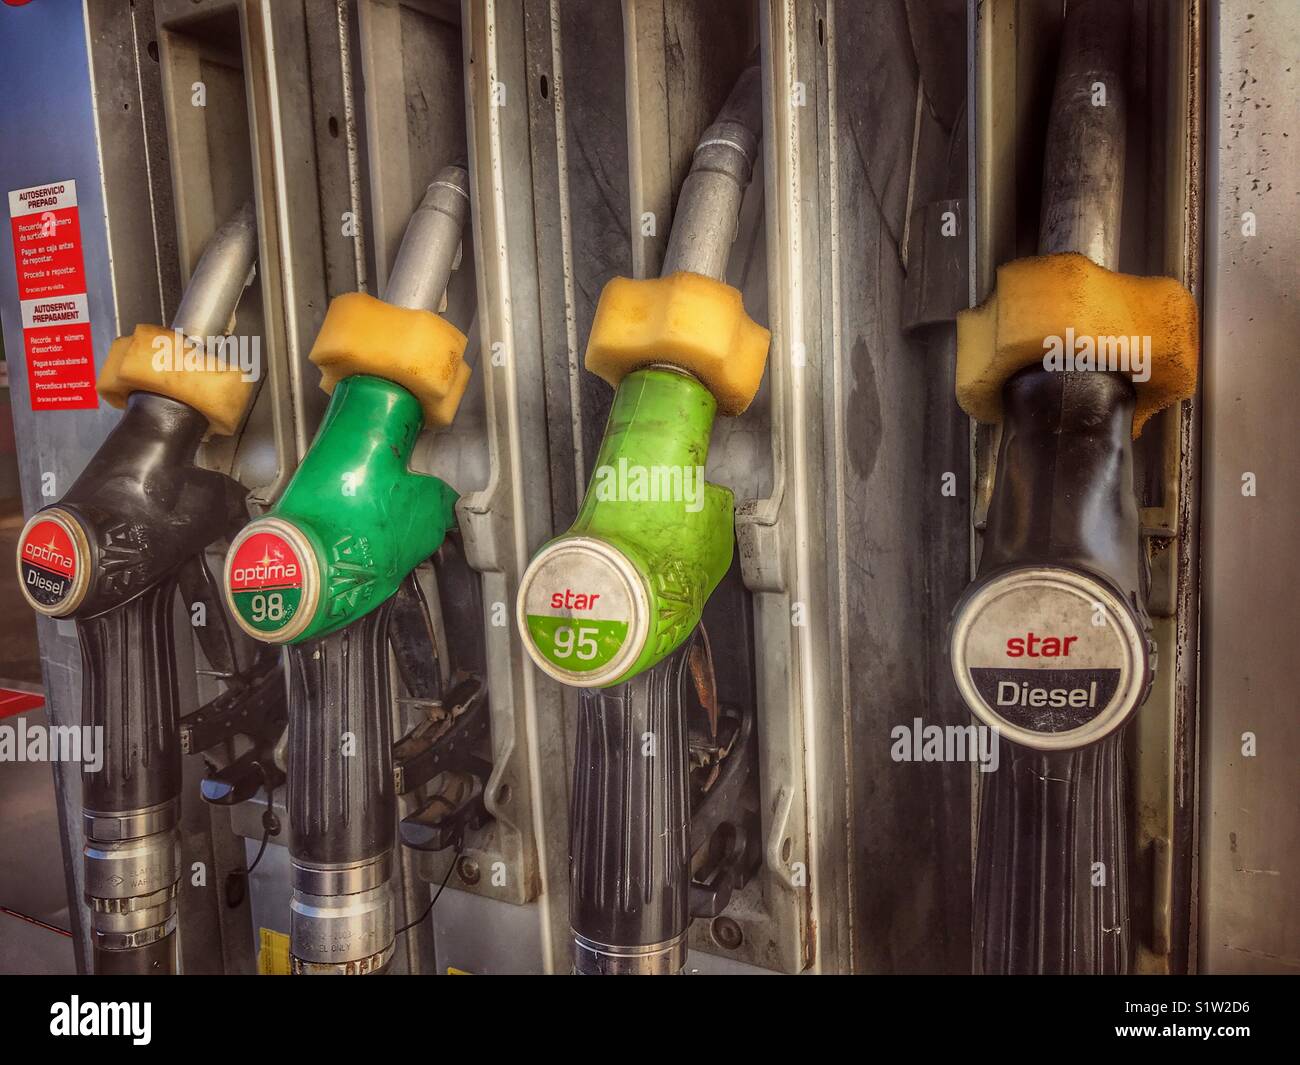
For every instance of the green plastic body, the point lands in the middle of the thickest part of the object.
(367, 518)
(659, 427)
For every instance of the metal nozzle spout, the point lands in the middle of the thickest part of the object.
(704, 225)
(1083, 162)
(744, 105)
(223, 272)
(431, 243)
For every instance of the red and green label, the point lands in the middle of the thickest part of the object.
(48, 562)
(266, 582)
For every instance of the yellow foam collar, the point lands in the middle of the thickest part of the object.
(685, 320)
(154, 359)
(419, 350)
(1038, 299)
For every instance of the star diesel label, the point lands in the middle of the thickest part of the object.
(48, 563)
(265, 581)
(578, 612)
(1048, 655)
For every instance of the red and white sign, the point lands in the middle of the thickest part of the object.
(51, 271)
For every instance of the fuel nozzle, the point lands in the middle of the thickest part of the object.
(626, 584)
(108, 555)
(319, 572)
(1050, 646)
(611, 605)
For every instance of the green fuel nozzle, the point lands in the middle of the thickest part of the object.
(354, 520)
(627, 583)
(320, 572)
(352, 524)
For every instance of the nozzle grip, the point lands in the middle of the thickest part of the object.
(342, 803)
(1052, 824)
(630, 822)
(129, 690)
(1064, 491)
(353, 522)
(648, 547)
(1052, 861)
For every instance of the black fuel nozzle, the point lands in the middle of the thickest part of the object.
(109, 555)
(1050, 646)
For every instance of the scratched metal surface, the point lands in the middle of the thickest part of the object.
(1250, 819)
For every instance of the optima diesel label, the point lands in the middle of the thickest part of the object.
(48, 563)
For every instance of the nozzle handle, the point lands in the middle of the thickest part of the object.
(342, 801)
(1051, 646)
(629, 838)
(1049, 823)
(342, 804)
(1062, 566)
(131, 788)
(129, 690)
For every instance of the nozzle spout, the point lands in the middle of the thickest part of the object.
(431, 243)
(1083, 162)
(704, 224)
(224, 270)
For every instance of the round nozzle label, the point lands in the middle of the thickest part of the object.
(272, 583)
(583, 612)
(1049, 657)
(53, 562)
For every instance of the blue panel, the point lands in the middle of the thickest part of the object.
(47, 134)
(47, 130)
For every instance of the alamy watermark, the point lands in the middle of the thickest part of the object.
(630, 482)
(23, 742)
(176, 351)
(133, 1020)
(919, 742)
(1107, 354)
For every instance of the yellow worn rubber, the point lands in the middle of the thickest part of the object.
(416, 349)
(154, 359)
(685, 320)
(1040, 298)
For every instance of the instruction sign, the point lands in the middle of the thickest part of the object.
(51, 271)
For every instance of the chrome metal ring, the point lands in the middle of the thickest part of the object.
(107, 827)
(607, 959)
(133, 940)
(350, 879)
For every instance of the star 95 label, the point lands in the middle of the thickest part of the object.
(578, 612)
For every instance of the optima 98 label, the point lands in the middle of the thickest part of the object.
(265, 582)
